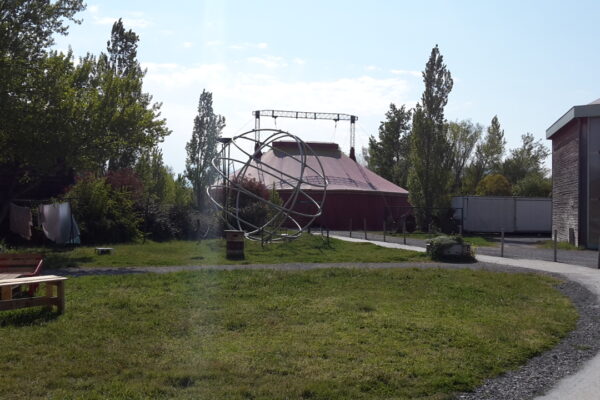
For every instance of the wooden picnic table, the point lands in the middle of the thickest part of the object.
(48, 300)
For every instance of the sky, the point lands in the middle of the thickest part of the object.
(527, 62)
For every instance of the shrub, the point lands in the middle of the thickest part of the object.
(438, 246)
(104, 214)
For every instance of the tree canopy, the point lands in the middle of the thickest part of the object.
(202, 148)
(428, 180)
(388, 154)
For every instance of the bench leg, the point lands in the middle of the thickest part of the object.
(49, 294)
(60, 293)
(6, 293)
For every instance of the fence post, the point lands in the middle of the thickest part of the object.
(384, 230)
(350, 227)
(502, 242)
(555, 243)
(327, 235)
(365, 227)
(404, 229)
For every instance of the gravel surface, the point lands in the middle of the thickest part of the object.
(526, 382)
(514, 247)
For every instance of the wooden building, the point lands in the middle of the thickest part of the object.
(576, 175)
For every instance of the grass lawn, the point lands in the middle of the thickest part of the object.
(307, 249)
(478, 241)
(258, 334)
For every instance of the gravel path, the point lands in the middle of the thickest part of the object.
(527, 382)
(522, 248)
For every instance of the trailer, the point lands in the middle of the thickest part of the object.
(488, 214)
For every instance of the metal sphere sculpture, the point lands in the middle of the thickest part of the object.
(246, 190)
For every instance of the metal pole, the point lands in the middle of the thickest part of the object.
(598, 252)
(502, 243)
(404, 229)
(350, 227)
(555, 243)
(384, 230)
(327, 235)
(365, 227)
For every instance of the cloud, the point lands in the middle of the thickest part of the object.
(237, 93)
(299, 61)
(416, 74)
(372, 68)
(187, 45)
(246, 45)
(93, 9)
(268, 61)
(212, 43)
(134, 20)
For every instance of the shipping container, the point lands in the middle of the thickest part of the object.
(489, 214)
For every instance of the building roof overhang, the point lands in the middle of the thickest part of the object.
(588, 110)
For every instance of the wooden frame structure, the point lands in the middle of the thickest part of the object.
(48, 300)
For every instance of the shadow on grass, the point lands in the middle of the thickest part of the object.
(27, 317)
(61, 261)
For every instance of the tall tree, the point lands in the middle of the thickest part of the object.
(202, 148)
(388, 156)
(525, 160)
(463, 136)
(488, 157)
(127, 121)
(428, 180)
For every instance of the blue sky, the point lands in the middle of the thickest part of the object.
(526, 61)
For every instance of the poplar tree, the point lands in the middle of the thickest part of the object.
(429, 176)
(202, 148)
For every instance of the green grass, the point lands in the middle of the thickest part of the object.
(549, 244)
(478, 241)
(307, 249)
(319, 334)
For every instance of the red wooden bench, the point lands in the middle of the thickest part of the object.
(14, 266)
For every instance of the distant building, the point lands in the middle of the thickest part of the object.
(355, 195)
(576, 175)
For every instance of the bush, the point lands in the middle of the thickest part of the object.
(104, 214)
(438, 246)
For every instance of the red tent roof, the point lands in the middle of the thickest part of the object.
(343, 173)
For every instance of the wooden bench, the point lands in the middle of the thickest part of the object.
(19, 265)
(49, 300)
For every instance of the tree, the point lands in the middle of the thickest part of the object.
(430, 162)
(533, 185)
(494, 185)
(125, 121)
(463, 136)
(202, 148)
(525, 160)
(36, 102)
(388, 156)
(488, 157)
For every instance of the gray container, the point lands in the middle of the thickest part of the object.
(488, 214)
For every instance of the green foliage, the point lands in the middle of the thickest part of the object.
(525, 160)
(494, 185)
(487, 158)
(437, 249)
(430, 160)
(463, 136)
(202, 148)
(104, 214)
(57, 116)
(388, 156)
(533, 185)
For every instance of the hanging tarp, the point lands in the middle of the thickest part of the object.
(58, 223)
